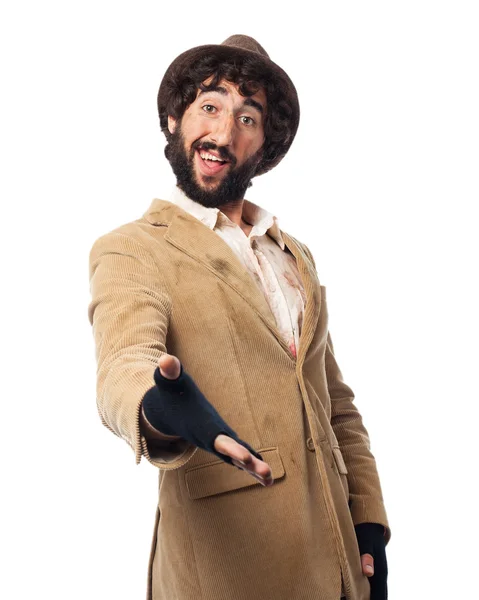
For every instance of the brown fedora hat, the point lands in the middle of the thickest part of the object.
(180, 83)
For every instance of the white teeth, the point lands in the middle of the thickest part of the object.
(208, 156)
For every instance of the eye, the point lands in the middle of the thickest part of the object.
(209, 108)
(249, 121)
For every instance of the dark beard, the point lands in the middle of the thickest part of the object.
(231, 188)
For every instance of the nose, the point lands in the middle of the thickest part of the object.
(223, 131)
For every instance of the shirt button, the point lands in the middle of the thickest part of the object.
(310, 444)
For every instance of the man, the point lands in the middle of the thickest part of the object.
(216, 364)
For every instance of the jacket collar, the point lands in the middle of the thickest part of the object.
(202, 244)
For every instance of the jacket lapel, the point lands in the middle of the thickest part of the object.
(312, 290)
(198, 241)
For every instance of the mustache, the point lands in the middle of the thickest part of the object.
(224, 153)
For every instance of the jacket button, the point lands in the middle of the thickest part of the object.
(310, 444)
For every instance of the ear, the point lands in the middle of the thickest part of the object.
(171, 124)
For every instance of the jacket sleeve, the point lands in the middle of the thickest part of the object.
(129, 312)
(365, 495)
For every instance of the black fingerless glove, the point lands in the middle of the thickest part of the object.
(371, 541)
(177, 407)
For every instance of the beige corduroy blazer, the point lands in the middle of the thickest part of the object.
(168, 283)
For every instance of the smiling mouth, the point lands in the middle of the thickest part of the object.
(210, 163)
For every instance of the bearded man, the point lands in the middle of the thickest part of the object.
(215, 361)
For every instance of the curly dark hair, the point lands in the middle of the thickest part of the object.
(250, 73)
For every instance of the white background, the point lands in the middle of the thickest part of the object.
(381, 183)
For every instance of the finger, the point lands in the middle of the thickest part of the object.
(367, 564)
(264, 480)
(170, 366)
(243, 458)
(233, 449)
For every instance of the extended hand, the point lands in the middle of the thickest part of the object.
(190, 415)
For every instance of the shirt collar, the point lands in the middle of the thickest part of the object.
(262, 220)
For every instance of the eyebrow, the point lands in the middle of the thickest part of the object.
(221, 90)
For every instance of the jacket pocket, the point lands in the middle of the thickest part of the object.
(219, 477)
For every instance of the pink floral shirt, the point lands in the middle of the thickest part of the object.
(264, 256)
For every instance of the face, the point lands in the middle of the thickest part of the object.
(216, 146)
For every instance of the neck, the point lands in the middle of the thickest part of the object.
(233, 210)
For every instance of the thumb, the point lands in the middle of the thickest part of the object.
(367, 564)
(170, 366)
